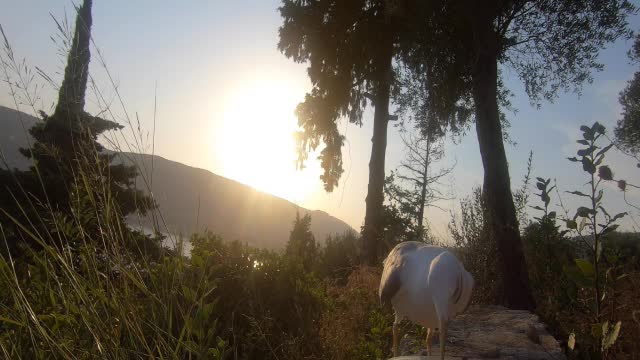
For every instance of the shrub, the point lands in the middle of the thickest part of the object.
(354, 326)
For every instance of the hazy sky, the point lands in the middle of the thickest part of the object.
(225, 101)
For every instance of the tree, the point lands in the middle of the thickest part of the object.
(627, 130)
(349, 46)
(551, 45)
(416, 187)
(302, 244)
(66, 148)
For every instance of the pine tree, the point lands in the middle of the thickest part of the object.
(67, 158)
(302, 244)
(415, 185)
(70, 133)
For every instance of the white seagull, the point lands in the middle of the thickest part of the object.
(427, 285)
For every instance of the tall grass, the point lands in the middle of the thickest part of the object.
(80, 283)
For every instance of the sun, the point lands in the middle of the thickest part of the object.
(255, 141)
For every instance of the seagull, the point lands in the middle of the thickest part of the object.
(427, 285)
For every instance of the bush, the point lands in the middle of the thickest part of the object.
(354, 326)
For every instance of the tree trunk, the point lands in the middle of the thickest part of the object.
(372, 232)
(423, 191)
(501, 212)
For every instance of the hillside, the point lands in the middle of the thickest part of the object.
(14, 127)
(192, 199)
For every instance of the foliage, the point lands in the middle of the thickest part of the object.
(396, 227)
(354, 327)
(521, 195)
(415, 185)
(339, 257)
(110, 300)
(581, 303)
(475, 248)
(595, 272)
(460, 46)
(548, 251)
(627, 130)
(342, 44)
(350, 48)
(84, 285)
(302, 244)
(548, 49)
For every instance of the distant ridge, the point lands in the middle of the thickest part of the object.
(192, 199)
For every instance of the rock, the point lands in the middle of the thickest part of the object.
(532, 334)
(495, 332)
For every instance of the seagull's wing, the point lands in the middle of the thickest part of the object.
(391, 280)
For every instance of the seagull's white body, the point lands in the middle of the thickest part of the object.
(425, 284)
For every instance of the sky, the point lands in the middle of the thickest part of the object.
(206, 85)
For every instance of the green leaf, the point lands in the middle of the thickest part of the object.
(538, 208)
(552, 215)
(578, 193)
(545, 197)
(587, 135)
(583, 142)
(571, 343)
(540, 186)
(618, 216)
(576, 275)
(586, 151)
(571, 224)
(596, 330)
(598, 197)
(599, 160)
(583, 223)
(588, 166)
(586, 267)
(598, 128)
(584, 211)
(609, 229)
(611, 335)
(603, 210)
(604, 150)
(540, 179)
(574, 159)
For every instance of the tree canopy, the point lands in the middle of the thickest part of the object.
(340, 40)
(551, 45)
(350, 47)
(627, 130)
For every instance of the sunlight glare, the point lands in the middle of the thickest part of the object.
(256, 145)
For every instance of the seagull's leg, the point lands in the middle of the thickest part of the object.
(429, 337)
(443, 337)
(395, 339)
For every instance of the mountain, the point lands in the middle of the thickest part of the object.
(192, 199)
(14, 127)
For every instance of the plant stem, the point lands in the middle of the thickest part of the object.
(595, 233)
